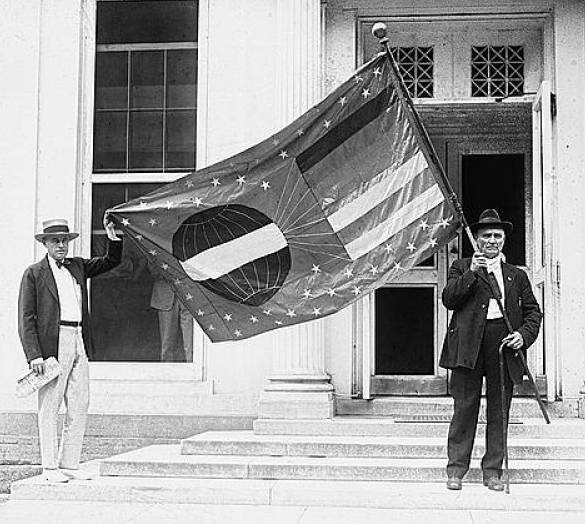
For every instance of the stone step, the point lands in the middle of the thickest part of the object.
(166, 461)
(340, 493)
(392, 406)
(247, 443)
(141, 426)
(347, 425)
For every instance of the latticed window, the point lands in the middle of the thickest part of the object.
(416, 67)
(497, 71)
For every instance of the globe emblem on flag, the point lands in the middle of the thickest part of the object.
(235, 251)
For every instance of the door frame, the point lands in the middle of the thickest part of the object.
(451, 143)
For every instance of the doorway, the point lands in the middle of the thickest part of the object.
(486, 152)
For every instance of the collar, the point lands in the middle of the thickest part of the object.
(494, 264)
(55, 265)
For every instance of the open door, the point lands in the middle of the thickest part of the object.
(545, 264)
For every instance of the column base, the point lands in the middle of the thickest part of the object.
(297, 404)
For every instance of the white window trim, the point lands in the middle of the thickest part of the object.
(197, 370)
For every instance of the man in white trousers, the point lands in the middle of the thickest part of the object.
(53, 320)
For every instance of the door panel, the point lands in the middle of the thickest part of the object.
(545, 254)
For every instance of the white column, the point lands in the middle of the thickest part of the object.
(299, 386)
(570, 166)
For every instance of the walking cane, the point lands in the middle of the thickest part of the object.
(506, 472)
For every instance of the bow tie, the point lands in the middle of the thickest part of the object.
(61, 264)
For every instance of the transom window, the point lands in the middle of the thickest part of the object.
(497, 71)
(416, 68)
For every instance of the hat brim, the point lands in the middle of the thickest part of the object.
(506, 226)
(42, 236)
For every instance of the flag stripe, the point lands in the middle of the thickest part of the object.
(404, 216)
(341, 132)
(391, 180)
(224, 258)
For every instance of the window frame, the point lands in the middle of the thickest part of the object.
(155, 46)
(196, 370)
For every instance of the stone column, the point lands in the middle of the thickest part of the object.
(299, 387)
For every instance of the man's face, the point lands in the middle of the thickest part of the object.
(57, 246)
(490, 241)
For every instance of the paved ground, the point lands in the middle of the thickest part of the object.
(43, 512)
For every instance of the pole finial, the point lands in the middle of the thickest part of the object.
(379, 30)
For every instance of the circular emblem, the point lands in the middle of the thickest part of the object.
(235, 251)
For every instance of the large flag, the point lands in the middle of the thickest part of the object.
(342, 200)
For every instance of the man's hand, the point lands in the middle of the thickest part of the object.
(38, 366)
(109, 227)
(478, 261)
(514, 340)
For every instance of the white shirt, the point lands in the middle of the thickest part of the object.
(495, 267)
(69, 292)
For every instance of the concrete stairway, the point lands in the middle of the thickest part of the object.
(351, 448)
(349, 460)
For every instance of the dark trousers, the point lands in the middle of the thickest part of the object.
(466, 387)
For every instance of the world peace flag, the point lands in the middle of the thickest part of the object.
(344, 199)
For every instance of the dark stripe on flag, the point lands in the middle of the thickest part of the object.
(340, 133)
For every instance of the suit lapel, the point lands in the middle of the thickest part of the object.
(74, 269)
(49, 279)
(508, 276)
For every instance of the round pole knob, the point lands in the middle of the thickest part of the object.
(379, 30)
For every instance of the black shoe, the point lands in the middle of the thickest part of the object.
(454, 483)
(494, 483)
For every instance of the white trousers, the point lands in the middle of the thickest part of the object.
(72, 386)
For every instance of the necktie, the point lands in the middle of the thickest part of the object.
(495, 286)
(59, 264)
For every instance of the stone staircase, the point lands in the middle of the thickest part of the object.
(330, 462)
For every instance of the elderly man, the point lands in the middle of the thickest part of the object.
(53, 320)
(476, 330)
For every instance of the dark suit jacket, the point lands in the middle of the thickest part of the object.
(163, 296)
(467, 294)
(38, 302)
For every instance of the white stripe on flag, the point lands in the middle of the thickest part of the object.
(391, 180)
(404, 216)
(223, 258)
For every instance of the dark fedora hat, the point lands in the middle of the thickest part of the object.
(57, 227)
(490, 218)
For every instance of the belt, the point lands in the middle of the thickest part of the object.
(70, 323)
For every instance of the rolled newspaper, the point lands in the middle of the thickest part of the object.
(32, 382)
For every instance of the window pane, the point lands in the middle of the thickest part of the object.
(405, 331)
(147, 79)
(127, 323)
(180, 140)
(109, 141)
(125, 327)
(111, 80)
(137, 190)
(105, 196)
(146, 21)
(146, 140)
(182, 78)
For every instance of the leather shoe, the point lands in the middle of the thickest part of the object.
(76, 474)
(494, 483)
(54, 476)
(454, 483)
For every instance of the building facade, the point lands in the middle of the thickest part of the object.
(106, 100)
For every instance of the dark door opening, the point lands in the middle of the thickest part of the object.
(496, 181)
(405, 331)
